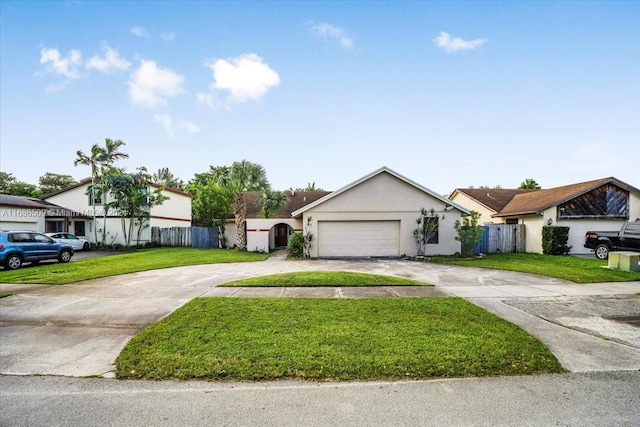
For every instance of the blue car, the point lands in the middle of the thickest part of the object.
(17, 247)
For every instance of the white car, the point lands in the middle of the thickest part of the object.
(76, 243)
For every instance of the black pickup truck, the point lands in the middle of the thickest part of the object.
(602, 242)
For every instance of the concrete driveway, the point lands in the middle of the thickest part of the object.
(79, 329)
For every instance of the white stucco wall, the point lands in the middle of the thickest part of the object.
(385, 197)
(260, 232)
(17, 218)
(173, 212)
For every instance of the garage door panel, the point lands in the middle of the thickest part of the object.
(358, 238)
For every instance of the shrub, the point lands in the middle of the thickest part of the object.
(295, 247)
(554, 240)
(469, 233)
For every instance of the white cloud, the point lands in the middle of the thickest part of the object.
(168, 37)
(55, 63)
(448, 44)
(59, 87)
(166, 121)
(328, 31)
(188, 126)
(150, 85)
(110, 62)
(170, 126)
(245, 78)
(140, 32)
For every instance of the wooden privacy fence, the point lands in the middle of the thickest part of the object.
(194, 237)
(502, 238)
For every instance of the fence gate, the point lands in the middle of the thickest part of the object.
(502, 238)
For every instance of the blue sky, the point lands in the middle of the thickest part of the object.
(449, 94)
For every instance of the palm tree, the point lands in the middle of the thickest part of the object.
(100, 160)
(93, 161)
(239, 179)
(109, 155)
(271, 202)
(168, 179)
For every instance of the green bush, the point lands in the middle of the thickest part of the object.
(295, 247)
(554, 240)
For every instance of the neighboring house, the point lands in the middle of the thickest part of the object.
(374, 216)
(602, 204)
(27, 213)
(486, 201)
(174, 212)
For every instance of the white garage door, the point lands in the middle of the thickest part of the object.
(358, 238)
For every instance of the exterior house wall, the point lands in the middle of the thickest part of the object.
(472, 205)
(533, 230)
(173, 212)
(384, 197)
(260, 232)
(20, 218)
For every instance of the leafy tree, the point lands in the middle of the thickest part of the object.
(132, 199)
(238, 179)
(529, 184)
(52, 182)
(100, 160)
(9, 184)
(212, 203)
(469, 233)
(271, 202)
(486, 187)
(165, 177)
(426, 229)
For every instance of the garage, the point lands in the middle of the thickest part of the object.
(358, 238)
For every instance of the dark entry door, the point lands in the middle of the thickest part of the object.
(281, 235)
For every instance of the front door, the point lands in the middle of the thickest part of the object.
(281, 235)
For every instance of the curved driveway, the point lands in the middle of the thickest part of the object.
(79, 329)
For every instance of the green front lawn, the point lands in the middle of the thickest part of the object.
(324, 278)
(130, 262)
(574, 269)
(332, 339)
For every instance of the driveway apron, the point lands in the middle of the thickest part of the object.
(79, 329)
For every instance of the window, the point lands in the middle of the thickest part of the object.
(430, 225)
(40, 238)
(94, 192)
(20, 237)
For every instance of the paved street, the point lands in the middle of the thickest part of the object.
(585, 399)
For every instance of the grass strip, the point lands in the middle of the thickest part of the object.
(130, 262)
(252, 339)
(571, 268)
(324, 278)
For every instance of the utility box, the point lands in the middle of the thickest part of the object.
(625, 261)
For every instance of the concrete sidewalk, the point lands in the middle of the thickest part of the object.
(79, 329)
